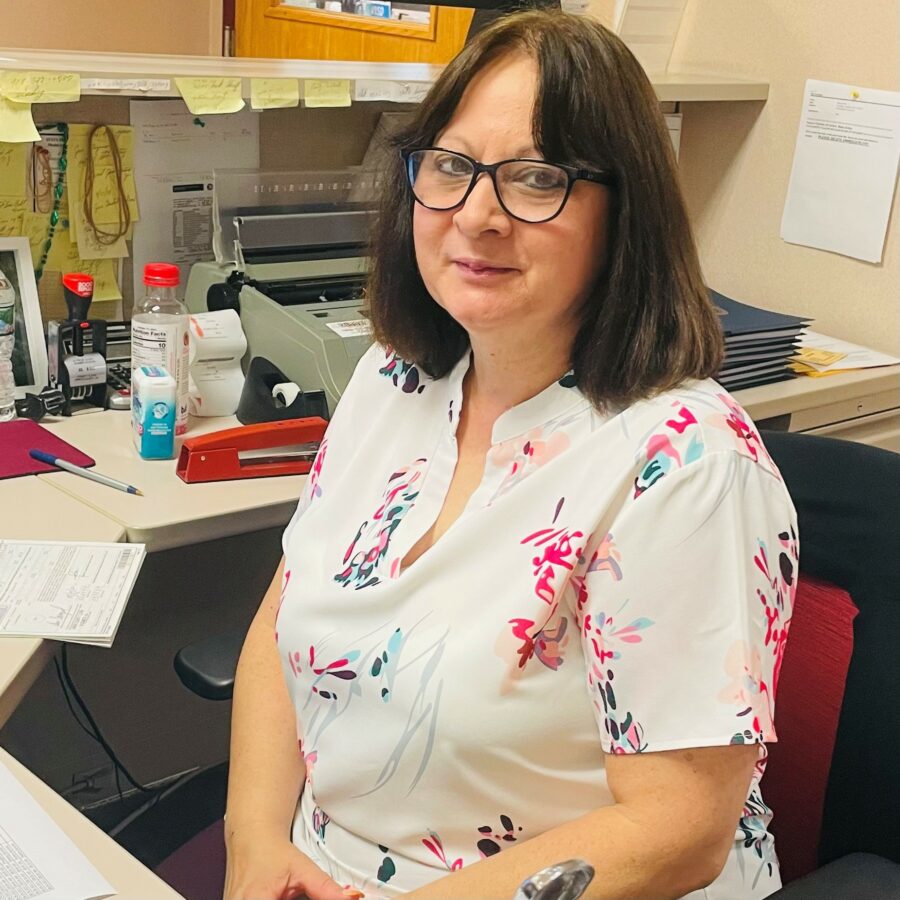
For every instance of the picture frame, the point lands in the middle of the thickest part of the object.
(29, 359)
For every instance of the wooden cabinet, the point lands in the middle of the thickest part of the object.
(268, 28)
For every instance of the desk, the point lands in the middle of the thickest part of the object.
(34, 510)
(863, 405)
(131, 880)
(172, 513)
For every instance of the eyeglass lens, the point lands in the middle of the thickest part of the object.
(532, 191)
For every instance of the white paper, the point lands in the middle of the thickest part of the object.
(37, 858)
(351, 328)
(394, 91)
(216, 378)
(856, 356)
(177, 223)
(844, 172)
(168, 140)
(125, 84)
(66, 590)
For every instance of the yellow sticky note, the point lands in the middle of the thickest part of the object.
(274, 93)
(10, 225)
(63, 253)
(40, 87)
(326, 92)
(104, 271)
(816, 357)
(207, 96)
(16, 123)
(13, 206)
(13, 169)
(35, 226)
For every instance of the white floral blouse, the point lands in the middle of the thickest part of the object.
(617, 583)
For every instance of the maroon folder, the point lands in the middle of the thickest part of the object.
(20, 436)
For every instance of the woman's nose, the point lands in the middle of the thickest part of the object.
(482, 210)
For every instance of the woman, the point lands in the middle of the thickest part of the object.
(534, 599)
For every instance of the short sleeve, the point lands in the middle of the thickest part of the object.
(685, 606)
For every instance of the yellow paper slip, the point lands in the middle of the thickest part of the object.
(10, 225)
(63, 253)
(106, 287)
(209, 96)
(36, 227)
(13, 169)
(326, 92)
(815, 357)
(16, 123)
(40, 87)
(13, 206)
(274, 93)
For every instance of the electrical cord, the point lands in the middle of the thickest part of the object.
(95, 733)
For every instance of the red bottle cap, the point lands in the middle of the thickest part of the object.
(161, 274)
(79, 283)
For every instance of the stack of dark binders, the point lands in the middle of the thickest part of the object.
(758, 343)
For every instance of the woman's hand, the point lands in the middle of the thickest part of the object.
(274, 869)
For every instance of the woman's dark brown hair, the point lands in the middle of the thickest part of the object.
(649, 323)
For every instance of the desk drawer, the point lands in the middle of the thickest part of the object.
(878, 430)
(844, 410)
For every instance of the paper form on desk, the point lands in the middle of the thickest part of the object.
(848, 355)
(67, 591)
(37, 859)
(844, 171)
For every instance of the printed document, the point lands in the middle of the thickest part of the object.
(68, 591)
(844, 172)
(37, 859)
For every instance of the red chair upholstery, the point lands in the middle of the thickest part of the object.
(807, 710)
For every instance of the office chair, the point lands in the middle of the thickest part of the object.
(837, 819)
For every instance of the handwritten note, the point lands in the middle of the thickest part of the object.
(105, 195)
(40, 87)
(394, 91)
(14, 206)
(274, 93)
(63, 253)
(125, 84)
(209, 96)
(10, 225)
(16, 123)
(13, 169)
(35, 226)
(106, 287)
(326, 92)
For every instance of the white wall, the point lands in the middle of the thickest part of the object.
(736, 157)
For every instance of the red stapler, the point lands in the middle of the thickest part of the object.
(287, 447)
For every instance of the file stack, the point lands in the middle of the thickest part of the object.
(759, 343)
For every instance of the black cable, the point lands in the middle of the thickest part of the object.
(98, 735)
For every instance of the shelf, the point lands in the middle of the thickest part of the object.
(158, 72)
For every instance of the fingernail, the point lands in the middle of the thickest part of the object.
(353, 892)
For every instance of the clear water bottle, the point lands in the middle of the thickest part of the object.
(7, 339)
(160, 335)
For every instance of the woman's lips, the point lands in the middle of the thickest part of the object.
(479, 270)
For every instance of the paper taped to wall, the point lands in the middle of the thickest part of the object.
(845, 169)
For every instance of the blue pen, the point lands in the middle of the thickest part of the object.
(84, 473)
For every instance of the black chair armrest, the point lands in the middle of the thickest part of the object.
(862, 876)
(207, 667)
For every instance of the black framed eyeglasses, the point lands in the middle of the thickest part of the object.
(530, 190)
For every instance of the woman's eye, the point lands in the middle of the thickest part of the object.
(452, 165)
(541, 179)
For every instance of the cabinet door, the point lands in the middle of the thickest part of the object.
(272, 28)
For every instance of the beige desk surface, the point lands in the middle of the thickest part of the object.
(172, 513)
(805, 393)
(32, 510)
(131, 880)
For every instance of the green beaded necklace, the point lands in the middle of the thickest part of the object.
(57, 200)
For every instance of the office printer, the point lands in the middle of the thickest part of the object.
(290, 253)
